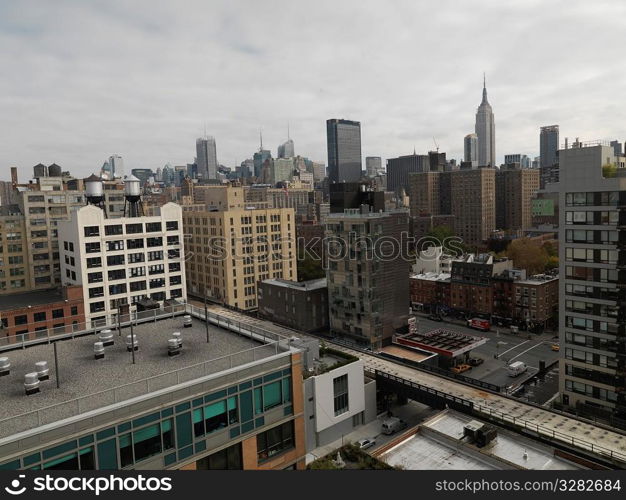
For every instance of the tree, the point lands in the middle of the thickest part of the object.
(309, 268)
(528, 254)
(444, 236)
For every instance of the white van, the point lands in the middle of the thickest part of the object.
(517, 368)
(393, 424)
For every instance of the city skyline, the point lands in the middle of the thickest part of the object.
(116, 79)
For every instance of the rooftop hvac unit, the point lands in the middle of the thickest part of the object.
(179, 338)
(5, 366)
(187, 321)
(43, 373)
(98, 350)
(106, 337)
(173, 347)
(130, 345)
(31, 383)
(480, 433)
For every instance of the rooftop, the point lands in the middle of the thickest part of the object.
(431, 276)
(298, 285)
(98, 383)
(538, 279)
(439, 445)
(35, 298)
(442, 341)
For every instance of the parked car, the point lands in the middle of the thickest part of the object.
(476, 361)
(366, 443)
(555, 347)
(435, 317)
(514, 329)
(461, 368)
(479, 324)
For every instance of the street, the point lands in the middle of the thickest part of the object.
(501, 349)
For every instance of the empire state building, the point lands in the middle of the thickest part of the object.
(486, 132)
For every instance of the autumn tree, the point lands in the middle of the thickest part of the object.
(528, 254)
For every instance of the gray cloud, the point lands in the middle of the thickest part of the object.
(84, 80)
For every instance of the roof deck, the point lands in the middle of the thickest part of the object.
(441, 341)
(88, 384)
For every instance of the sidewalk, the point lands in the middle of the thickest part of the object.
(412, 413)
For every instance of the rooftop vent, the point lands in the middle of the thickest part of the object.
(43, 373)
(98, 350)
(187, 321)
(130, 345)
(5, 366)
(178, 337)
(31, 383)
(173, 347)
(106, 337)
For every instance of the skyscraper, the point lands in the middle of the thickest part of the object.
(373, 166)
(548, 154)
(286, 149)
(206, 153)
(486, 132)
(344, 150)
(398, 170)
(116, 163)
(470, 149)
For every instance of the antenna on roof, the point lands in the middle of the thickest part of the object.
(261, 138)
(288, 137)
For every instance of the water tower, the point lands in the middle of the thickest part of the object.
(95, 192)
(132, 199)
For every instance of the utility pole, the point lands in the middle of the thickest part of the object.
(206, 317)
(56, 364)
(132, 340)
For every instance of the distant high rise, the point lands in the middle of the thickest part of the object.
(286, 149)
(398, 170)
(116, 164)
(548, 154)
(486, 132)
(523, 160)
(344, 150)
(470, 149)
(617, 147)
(206, 158)
(373, 165)
(516, 186)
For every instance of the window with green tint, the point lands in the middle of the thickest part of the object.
(107, 455)
(183, 430)
(215, 416)
(126, 449)
(286, 389)
(233, 417)
(32, 459)
(245, 400)
(167, 432)
(67, 462)
(147, 442)
(258, 400)
(10, 465)
(272, 395)
(197, 418)
(57, 450)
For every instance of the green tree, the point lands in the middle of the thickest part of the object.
(309, 268)
(528, 254)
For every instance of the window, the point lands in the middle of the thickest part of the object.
(171, 225)
(115, 260)
(21, 319)
(135, 243)
(74, 310)
(94, 262)
(92, 231)
(92, 247)
(39, 316)
(275, 441)
(154, 242)
(271, 395)
(340, 391)
(58, 313)
(152, 227)
(94, 277)
(118, 274)
(226, 459)
(115, 245)
(113, 230)
(134, 228)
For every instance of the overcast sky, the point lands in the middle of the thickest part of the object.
(81, 80)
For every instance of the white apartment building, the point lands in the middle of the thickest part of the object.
(122, 261)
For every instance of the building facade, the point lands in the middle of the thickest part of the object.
(473, 203)
(592, 192)
(301, 305)
(206, 158)
(122, 262)
(515, 189)
(470, 149)
(230, 252)
(367, 275)
(344, 150)
(398, 170)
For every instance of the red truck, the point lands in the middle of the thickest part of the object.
(479, 324)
